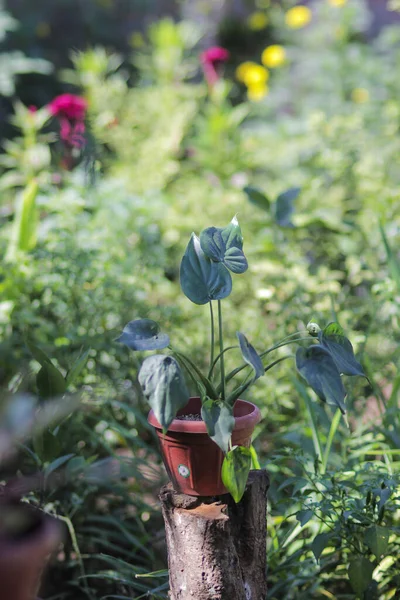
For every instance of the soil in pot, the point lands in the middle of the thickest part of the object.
(193, 461)
(27, 538)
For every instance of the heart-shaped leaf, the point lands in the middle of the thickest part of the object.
(225, 245)
(235, 471)
(360, 574)
(341, 350)
(201, 278)
(250, 355)
(219, 421)
(284, 207)
(163, 385)
(143, 334)
(318, 368)
(257, 197)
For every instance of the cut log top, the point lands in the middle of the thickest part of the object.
(216, 548)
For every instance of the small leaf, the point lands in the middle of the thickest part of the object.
(225, 245)
(317, 367)
(219, 420)
(257, 197)
(341, 350)
(143, 334)
(250, 355)
(77, 368)
(202, 279)
(284, 207)
(163, 385)
(377, 539)
(57, 463)
(303, 516)
(319, 543)
(235, 471)
(360, 574)
(50, 382)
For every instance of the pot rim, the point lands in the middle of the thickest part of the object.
(243, 422)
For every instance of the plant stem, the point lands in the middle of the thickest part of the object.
(332, 431)
(216, 359)
(316, 440)
(212, 339)
(221, 350)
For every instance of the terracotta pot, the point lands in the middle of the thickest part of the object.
(193, 461)
(24, 557)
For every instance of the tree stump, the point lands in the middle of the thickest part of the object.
(216, 548)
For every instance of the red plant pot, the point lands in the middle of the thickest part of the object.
(23, 558)
(192, 460)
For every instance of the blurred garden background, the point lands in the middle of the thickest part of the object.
(126, 125)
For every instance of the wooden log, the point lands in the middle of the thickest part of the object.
(216, 548)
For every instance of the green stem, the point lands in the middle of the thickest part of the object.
(332, 431)
(221, 349)
(212, 340)
(217, 359)
(303, 392)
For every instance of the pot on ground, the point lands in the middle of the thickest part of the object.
(27, 538)
(192, 460)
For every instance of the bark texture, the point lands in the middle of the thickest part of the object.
(216, 548)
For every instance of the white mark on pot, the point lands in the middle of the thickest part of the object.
(247, 590)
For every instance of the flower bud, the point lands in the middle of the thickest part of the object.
(313, 329)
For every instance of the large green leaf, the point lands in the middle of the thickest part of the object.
(235, 471)
(250, 355)
(360, 574)
(163, 385)
(341, 350)
(201, 278)
(377, 539)
(219, 421)
(318, 368)
(24, 231)
(143, 334)
(284, 207)
(319, 543)
(257, 197)
(225, 245)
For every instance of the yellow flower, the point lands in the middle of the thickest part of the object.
(337, 2)
(257, 91)
(257, 20)
(273, 56)
(136, 40)
(255, 75)
(243, 68)
(360, 95)
(298, 16)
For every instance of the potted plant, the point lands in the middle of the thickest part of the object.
(205, 440)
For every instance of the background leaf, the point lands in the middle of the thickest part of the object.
(360, 574)
(377, 539)
(284, 207)
(257, 197)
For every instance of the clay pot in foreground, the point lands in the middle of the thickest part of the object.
(192, 460)
(23, 555)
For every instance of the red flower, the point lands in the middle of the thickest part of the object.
(70, 106)
(211, 60)
(70, 111)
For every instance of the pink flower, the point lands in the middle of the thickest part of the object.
(70, 111)
(70, 106)
(212, 59)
